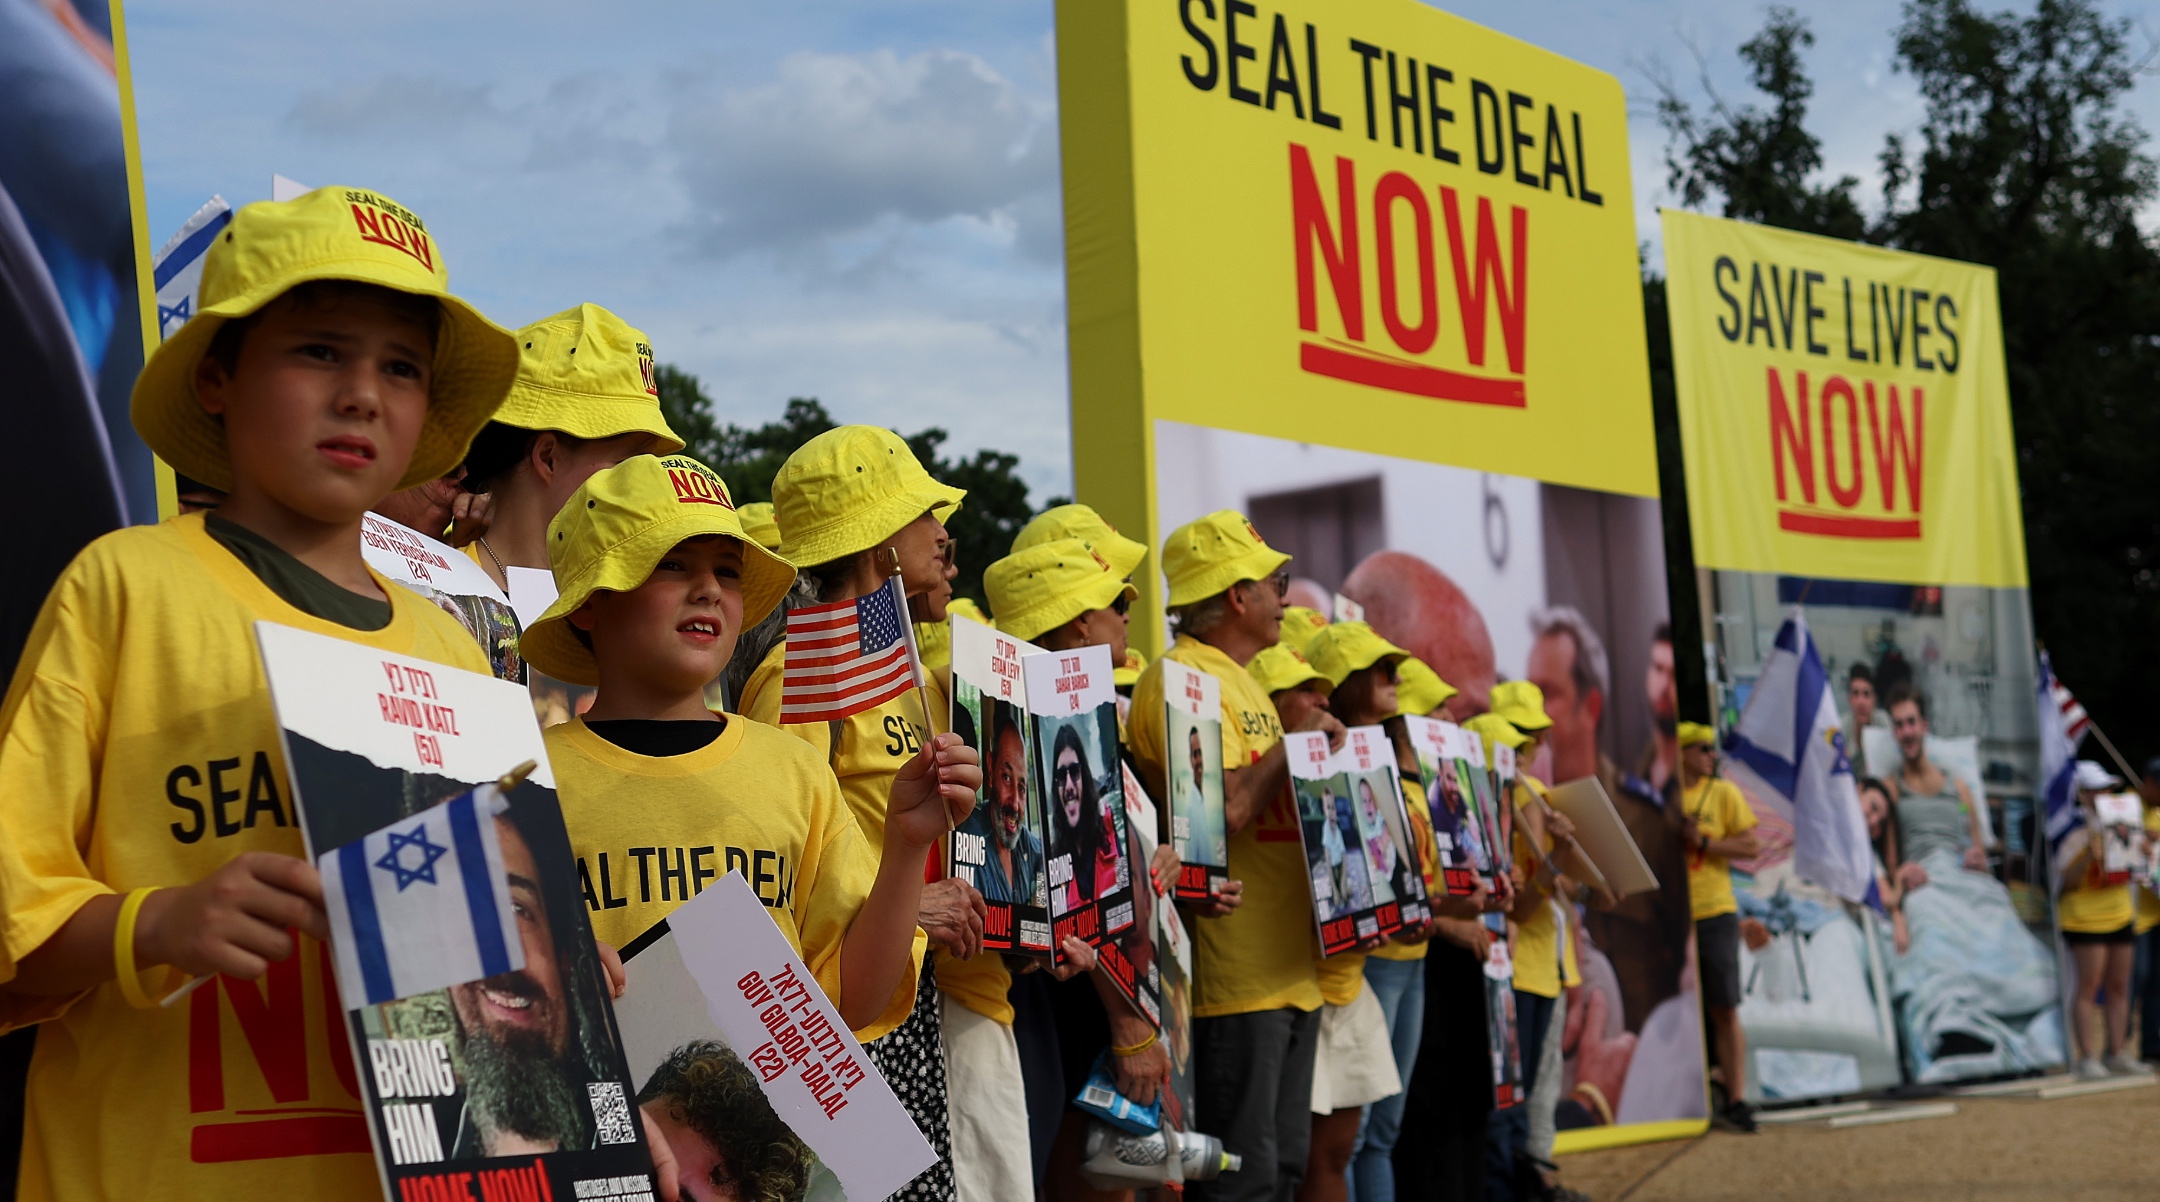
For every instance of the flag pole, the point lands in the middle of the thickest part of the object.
(2130, 775)
(922, 692)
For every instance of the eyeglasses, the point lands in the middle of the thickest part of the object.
(1121, 606)
(1065, 772)
(946, 550)
(1281, 581)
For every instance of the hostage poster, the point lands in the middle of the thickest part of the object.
(1072, 705)
(1353, 905)
(1199, 830)
(999, 849)
(517, 1078)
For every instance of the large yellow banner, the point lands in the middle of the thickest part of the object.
(1366, 223)
(1843, 410)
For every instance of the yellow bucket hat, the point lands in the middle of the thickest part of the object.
(612, 533)
(1278, 667)
(1521, 703)
(1695, 734)
(1205, 557)
(1050, 584)
(1493, 728)
(589, 374)
(758, 523)
(1083, 523)
(328, 234)
(1299, 624)
(849, 489)
(1127, 674)
(933, 640)
(1340, 648)
(1418, 689)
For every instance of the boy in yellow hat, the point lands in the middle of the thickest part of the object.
(1255, 998)
(586, 398)
(852, 505)
(147, 831)
(1720, 828)
(657, 579)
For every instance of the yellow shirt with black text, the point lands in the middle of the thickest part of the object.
(1260, 956)
(138, 748)
(1719, 811)
(651, 832)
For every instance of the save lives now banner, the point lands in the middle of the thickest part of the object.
(1843, 409)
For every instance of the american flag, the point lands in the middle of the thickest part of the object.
(2075, 721)
(848, 656)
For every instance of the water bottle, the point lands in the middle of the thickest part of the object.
(1117, 1160)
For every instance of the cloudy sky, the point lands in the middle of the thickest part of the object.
(853, 201)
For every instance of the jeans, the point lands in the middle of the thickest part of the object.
(1507, 1132)
(1399, 985)
(1254, 1093)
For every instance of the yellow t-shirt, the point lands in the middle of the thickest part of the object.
(1260, 956)
(650, 832)
(1719, 810)
(1428, 853)
(138, 748)
(2088, 909)
(1537, 939)
(873, 746)
(1341, 977)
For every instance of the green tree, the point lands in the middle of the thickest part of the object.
(2027, 163)
(748, 457)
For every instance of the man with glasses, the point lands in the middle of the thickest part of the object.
(1256, 997)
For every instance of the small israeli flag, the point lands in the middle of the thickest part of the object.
(177, 270)
(422, 904)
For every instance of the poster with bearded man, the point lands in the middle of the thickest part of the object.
(520, 1075)
(999, 849)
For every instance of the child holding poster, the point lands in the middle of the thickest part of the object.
(148, 829)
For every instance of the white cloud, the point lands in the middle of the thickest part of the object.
(838, 142)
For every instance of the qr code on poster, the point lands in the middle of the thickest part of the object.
(611, 1113)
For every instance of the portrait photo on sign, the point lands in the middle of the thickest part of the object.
(1082, 780)
(1000, 848)
(1199, 830)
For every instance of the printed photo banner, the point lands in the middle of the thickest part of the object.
(450, 579)
(1458, 831)
(1133, 960)
(1353, 905)
(1199, 830)
(722, 1021)
(1080, 777)
(1384, 822)
(1843, 408)
(999, 849)
(461, 1084)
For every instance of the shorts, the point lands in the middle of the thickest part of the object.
(1717, 960)
(1354, 1064)
(2122, 935)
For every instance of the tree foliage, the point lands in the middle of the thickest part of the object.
(2027, 163)
(748, 457)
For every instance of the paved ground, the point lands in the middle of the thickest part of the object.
(2098, 1148)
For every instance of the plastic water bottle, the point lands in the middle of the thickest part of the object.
(1117, 1160)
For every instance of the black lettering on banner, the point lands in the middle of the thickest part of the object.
(1235, 50)
(1812, 311)
(1282, 69)
(262, 792)
(191, 805)
(643, 856)
(1370, 53)
(1482, 98)
(221, 796)
(1851, 351)
(1787, 298)
(1894, 317)
(1434, 77)
(1556, 154)
(1920, 330)
(1758, 308)
(1320, 115)
(1717, 279)
(1205, 81)
(1402, 102)
(699, 873)
(1943, 327)
(1582, 167)
(1517, 139)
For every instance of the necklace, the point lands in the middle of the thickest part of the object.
(505, 572)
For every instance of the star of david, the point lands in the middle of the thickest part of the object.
(393, 861)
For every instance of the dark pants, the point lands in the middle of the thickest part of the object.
(1254, 1093)
(2145, 991)
(1042, 1068)
(1441, 1155)
(1507, 1132)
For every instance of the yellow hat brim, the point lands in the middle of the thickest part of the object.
(1257, 564)
(866, 528)
(535, 406)
(550, 645)
(475, 363)
(1099, 593)
(1522, 719)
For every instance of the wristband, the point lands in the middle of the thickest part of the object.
(1135, 1049)
(1597, 1101)
(124, 953)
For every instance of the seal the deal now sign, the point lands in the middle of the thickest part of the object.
(1843, 410)
(1366, 223)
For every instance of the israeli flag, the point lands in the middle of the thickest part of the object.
(422, 904)
(1788, 750)
(176, 272)
(2058, 769)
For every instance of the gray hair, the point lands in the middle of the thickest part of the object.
(1592, 669)
(1201, 616)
